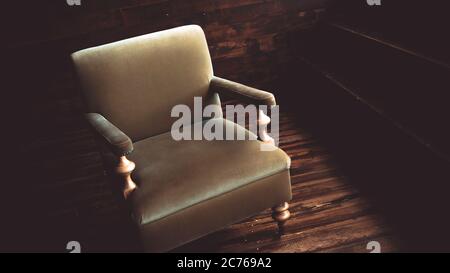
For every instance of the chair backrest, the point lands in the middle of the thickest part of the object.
(135, 82)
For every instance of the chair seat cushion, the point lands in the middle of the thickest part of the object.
(176, 176)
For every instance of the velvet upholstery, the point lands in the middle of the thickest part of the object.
(244, 93)
(185, 188)
(134, 83)
(216, 213)
(118, 142)
(208, 167)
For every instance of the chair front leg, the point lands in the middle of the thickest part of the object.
(263, 122)
(123, 170)
(281, 214)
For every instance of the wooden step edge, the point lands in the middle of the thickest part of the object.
(390, 44)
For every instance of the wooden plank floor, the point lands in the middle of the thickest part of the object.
(328, 212)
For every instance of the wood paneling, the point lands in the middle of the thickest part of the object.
(243, 35)
(412, 24)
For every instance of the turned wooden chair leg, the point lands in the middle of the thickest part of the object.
(263, 122)
(124, 169)
(281, 214)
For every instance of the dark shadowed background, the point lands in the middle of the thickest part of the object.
(372, 82)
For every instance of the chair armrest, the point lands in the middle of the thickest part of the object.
(119, 143)
(242, 92)
(249, 95)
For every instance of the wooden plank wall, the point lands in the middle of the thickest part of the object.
(60, 168)
(240, 33)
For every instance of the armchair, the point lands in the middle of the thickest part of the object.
(178, 191)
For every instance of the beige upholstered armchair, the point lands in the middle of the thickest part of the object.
(178, 190)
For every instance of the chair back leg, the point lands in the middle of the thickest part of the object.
(281, 214)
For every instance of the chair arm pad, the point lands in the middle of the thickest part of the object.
(240, 91)
(119, 143)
